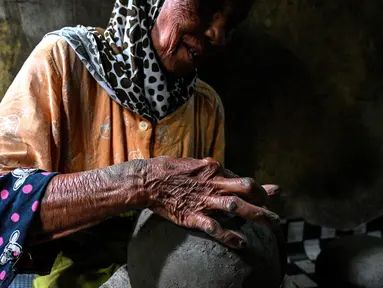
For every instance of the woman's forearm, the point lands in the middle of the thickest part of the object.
(184, 191)
(73, 202)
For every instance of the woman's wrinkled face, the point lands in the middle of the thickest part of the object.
(187, 31)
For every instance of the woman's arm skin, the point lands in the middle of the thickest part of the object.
(76, 201)
(181, 190)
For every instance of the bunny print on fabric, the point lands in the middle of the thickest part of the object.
(21, 175)
(12, 250)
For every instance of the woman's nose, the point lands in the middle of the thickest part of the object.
(216, 32)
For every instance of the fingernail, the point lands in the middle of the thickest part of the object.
(271, 190)
(232, 206)
(209, 230)
(273, 217)
(242, 244)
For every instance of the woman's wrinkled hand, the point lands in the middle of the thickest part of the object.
(187, 190)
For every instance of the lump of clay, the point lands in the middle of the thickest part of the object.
(163, 255)
(355, 261)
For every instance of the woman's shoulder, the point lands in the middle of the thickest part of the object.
(49, 44)
(53, 50)
(208, 96)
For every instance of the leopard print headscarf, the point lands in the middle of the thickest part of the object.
(123, 61)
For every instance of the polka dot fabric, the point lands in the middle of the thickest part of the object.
(123, 61)
(21, 193)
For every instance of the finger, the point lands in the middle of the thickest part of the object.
(208, 225)
(246, 188)
(229, 174)
(215, 168)
(235, 185)
(165, 214)
(271, 189)
(212, 228)
(237, 206)
(206, 168)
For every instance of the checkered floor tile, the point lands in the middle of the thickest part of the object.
(306, 241)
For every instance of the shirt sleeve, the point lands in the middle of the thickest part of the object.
(215, 121)
(29, 138)
(218, 140)
(30, 114)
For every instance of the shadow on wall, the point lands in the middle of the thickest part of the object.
(301, 89)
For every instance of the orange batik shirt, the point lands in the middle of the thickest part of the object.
(56, 117)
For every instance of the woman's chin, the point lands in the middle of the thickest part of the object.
(182, 69)
(179, 66)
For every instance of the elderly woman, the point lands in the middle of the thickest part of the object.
(101, 123)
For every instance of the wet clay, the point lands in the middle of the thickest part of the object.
(163, 255)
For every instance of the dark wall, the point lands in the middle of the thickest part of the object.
(302, 87)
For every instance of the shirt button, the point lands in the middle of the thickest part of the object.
(143, 126)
